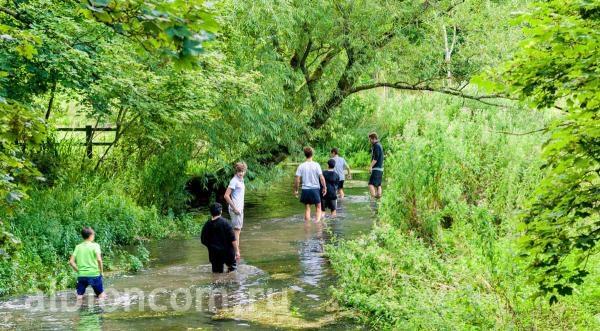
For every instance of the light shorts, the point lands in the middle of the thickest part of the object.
(237, 221)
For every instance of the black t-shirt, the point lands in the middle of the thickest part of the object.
(377, 154)
(333, 181)
(218, 235)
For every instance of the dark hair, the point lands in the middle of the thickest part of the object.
(308, 152)
(373, 136)
(86, 232)
(331, 163)
(335, 151)
(216, 209)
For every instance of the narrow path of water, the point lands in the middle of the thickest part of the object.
(283, 281)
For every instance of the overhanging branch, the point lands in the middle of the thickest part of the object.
(416, 87)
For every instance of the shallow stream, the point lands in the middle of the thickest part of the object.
(284, 281)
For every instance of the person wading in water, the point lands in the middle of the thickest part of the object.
(376, 168)
(234, 195)
(311, 176)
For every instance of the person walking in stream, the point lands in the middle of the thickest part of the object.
(341, 166)
(309, 173)
(86, 260)
(218, 237)
(332, 180)
(376, 167)
(234, 195)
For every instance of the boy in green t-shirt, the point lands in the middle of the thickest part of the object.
(86, 260)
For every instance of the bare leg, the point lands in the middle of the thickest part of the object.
(379, 191)
(102, 296)
(341, 193)
(334, 214)
(307, 213)
(237, 238)
(318, 213)
(372, 191)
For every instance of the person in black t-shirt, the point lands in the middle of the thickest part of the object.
(376, 168)
(332, 180)
(218, 236)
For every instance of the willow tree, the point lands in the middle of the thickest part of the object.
(315, 54)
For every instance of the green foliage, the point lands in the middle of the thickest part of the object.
(21, 131)
(176, 28)
(49, 225)
(443, 254)
(557, 66)
(313, 56)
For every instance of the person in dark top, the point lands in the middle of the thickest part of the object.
(376, 168)
(218, 236)
(332, 180)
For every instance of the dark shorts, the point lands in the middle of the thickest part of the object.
(311, 196)
(376, 178)
(94, 282)
(328, 204)
(219, 258)
(340, 184)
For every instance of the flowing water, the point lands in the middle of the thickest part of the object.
(283, 280)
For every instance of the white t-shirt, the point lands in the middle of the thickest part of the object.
(340, 165)
(310, 172)
(238, 189)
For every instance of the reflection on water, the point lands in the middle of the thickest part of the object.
(311, 254)
(280, 254)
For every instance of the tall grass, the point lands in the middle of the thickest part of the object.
(49, 224)
(444, 254)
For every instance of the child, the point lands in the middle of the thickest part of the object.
(86, 260)
(234, 195)
(331, 180)
(217, 235)
(311, 175)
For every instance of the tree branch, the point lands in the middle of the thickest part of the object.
(409, 87)
(302, 65)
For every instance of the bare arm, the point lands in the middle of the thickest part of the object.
(373, 163)
(236, 245)
(349, 171)
(100, 264)
(73, 264)
(323, 184)
(296, 184)
(229, 201)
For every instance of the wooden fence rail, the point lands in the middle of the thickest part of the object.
(89, 137)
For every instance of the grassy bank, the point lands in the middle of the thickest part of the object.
(48, 227)
(445, 252)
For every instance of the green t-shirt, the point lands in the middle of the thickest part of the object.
(85, 258)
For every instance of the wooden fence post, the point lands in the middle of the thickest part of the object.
(88, 141)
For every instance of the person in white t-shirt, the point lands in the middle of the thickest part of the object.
(311, 176)
(234, 195)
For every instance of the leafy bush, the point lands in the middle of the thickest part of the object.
(444, 254)
(49, 226)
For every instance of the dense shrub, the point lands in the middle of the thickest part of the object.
(49, 226)
(444, 254)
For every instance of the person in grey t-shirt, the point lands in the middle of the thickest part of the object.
(234, 195)
(311, 176)
(340, 166)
